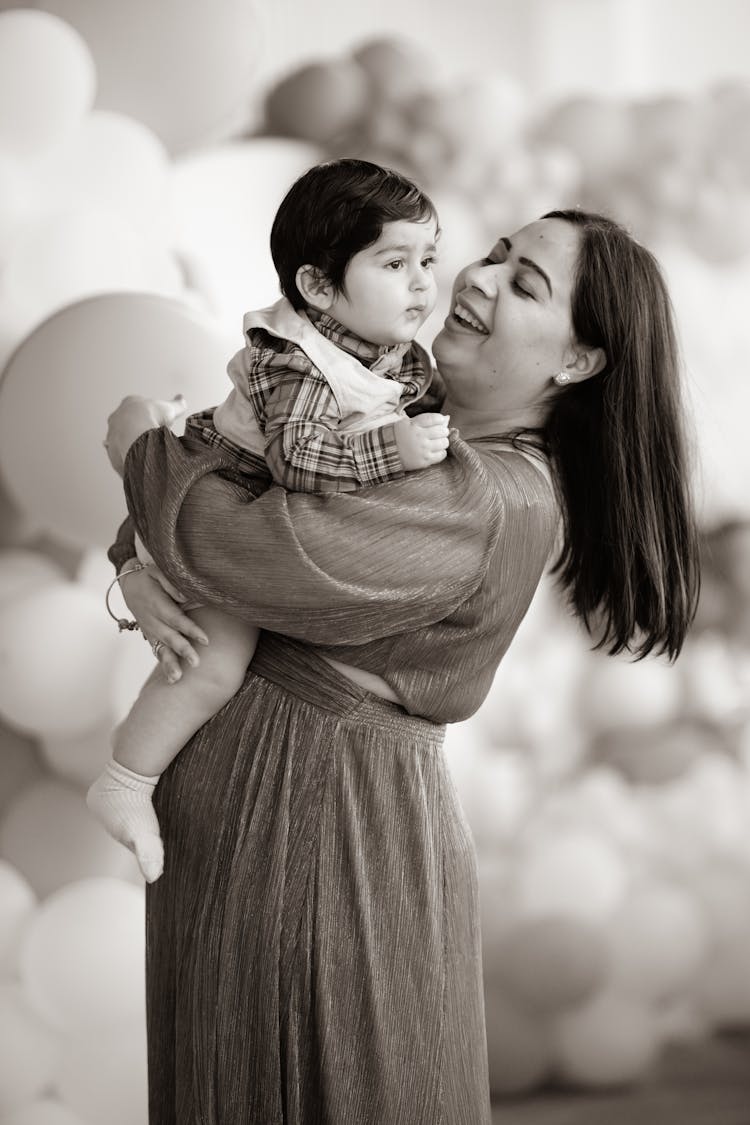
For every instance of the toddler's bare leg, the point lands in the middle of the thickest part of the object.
(161, 721)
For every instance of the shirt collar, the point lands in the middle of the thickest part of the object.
(349, 341)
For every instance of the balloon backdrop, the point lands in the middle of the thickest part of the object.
(185, 71)
(47, 75)
(225, 199)
(29, 1050)
(58, 650)
(100, 350)
(51, 838)
(82, 960)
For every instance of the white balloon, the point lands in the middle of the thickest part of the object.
(19, 200)
(58, 649)
(21, 764)
(135, 662)
(112, 163)
(29, 1050)
(79, 757)
(573, 871)
(616, 693)
(50, 836)
(23, 571)
(225, 200)
(82, 961)
(80, 364)
(17, 900)
(79, 253)
(43, 1112)
(658, 940)
(47, 81)
(95, 572)
(611, 1040)
(103, 1075)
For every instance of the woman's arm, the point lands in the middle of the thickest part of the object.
(346, 568)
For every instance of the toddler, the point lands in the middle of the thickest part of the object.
(318, 401)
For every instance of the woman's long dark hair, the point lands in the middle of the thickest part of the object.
(629, 560)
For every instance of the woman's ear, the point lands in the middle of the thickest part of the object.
(315, 288)
(585, 362)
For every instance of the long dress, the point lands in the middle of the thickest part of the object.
(313, 953)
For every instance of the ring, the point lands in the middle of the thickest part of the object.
(156, 647)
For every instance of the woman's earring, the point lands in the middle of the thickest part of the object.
(561, 378)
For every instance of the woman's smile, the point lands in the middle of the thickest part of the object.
(467, 318)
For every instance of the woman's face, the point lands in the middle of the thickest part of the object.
(509, 331)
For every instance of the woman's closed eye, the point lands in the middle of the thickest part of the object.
(523, 292)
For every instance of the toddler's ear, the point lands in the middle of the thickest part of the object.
(315, 288)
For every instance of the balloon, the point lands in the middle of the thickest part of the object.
(17, 900)
(80, 363)
(135, 662)
(21, 764)
(103, 1075)
(28, 1050)
(517, 1046)
(609, 1041)
(397, 68)
(47, 76)
(184, 70)
(58, 649)
(19, 199)
(653, 756)
(43, 1112)
(225, 200)
(598, 131)
(79, 253)
(722, 990)
(23, 571)
(79, 757)
(95, 572)
(572, 871)
(318, 102)
(52, 838)
(722, 888)
(547, 964)
(82, 961)
(112, 163)
(619, 693)
(658, 939)
(500, 792)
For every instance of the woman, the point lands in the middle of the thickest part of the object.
(313, 949)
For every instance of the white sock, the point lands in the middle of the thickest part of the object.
(121, 800)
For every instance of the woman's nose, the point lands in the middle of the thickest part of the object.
(482, 276)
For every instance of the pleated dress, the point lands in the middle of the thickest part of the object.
(313, 948)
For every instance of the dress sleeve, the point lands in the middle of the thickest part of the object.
(345, 568)
(306, 452)
(123, 547)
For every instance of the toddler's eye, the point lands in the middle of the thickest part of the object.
(396, 264)
(430, 261)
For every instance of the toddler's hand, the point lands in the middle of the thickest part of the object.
(422, 441)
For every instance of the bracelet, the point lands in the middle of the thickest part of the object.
(123, 623)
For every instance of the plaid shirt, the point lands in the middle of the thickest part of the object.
(297, 411)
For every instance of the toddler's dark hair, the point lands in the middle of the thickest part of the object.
(335, 210)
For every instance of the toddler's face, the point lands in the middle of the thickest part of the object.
(389, 287)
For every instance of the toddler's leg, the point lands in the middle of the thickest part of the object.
(162, 719)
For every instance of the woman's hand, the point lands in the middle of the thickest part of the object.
(133, 417)
(156, 606)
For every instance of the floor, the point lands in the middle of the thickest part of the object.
(700, 1085)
